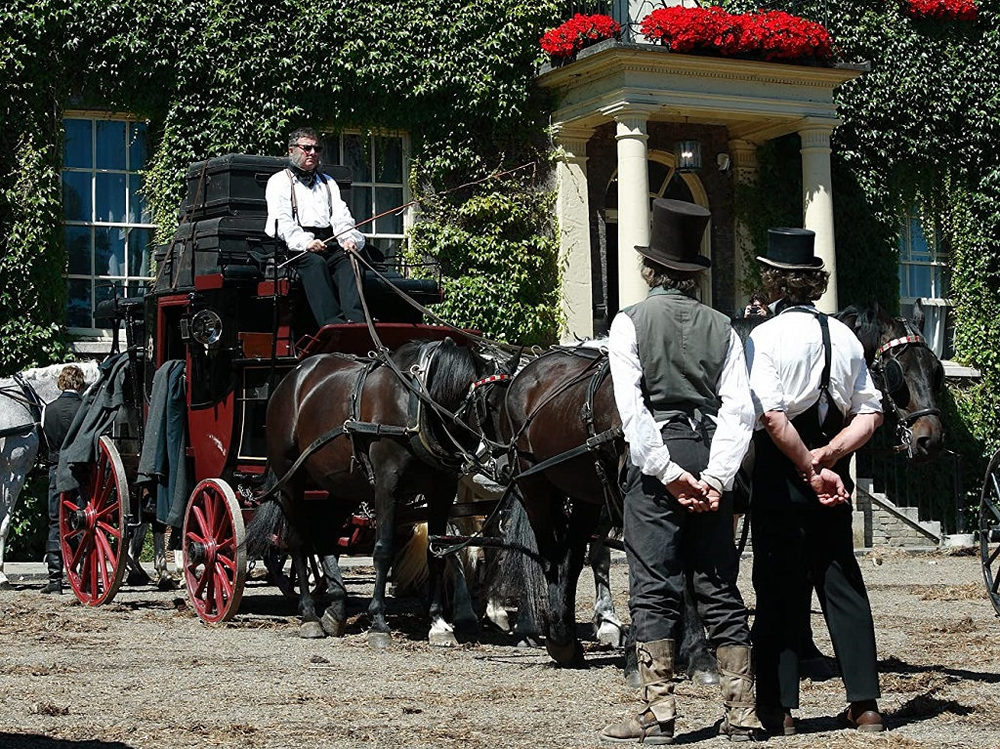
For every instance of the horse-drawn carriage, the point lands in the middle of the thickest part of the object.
(225, 315)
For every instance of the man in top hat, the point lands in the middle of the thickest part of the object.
(816, 405)
(681, 388)
(304, 209)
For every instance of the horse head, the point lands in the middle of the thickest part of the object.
(907, 372)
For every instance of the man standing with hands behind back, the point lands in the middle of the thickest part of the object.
(680, 384)
(816, 404)
(305, 205)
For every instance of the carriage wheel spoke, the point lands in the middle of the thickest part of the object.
(199, 592)
(992, 507)
(209, 597)
(203, 525)
(208, 507)
(226, 562)
(107, 552)
(993, 557)
(995, 588)
(74, 563)
(102, 568)
(110, 530)
(111, 509)
(226, 585)
(192, 536)
(220, 597)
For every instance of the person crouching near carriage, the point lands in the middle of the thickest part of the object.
(56, 421)
(816, 404)
(305, 205)
(680, 383)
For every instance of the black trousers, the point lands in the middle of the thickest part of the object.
(798, 544)
(664, 541)
(328, 282)
(53, 550)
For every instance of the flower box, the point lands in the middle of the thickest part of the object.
(942, 10)
(773, 36)
(579, 32)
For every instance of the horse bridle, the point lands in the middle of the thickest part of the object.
(888, 369)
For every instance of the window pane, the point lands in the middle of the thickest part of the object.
(78, 311)
(657, 174)
(110, 144)
(385, 199)
(920, 280)
(356, 157)
(138, 211)
(76, 196)
(904, 287)
(360, 204)
(331, 149)
(106, 290)
(109, 197)
(137, 147)
(78, 247)
(388, 247)
(389, 158)
(109, 258)
(138, 252)
(78, 152)
(136, 288)
(918, 243)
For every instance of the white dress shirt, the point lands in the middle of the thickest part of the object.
(734, 422)
(786, 358)
(314, 208)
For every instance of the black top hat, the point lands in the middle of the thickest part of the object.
(791, 249)
(675, 237)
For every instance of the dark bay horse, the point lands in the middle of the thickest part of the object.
(392, 447)
(553, 406)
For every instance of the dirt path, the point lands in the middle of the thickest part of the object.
(144, 672)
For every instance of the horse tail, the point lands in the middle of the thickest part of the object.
(269, 525)
(516, 572)
(409, 569)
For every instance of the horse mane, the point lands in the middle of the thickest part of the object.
(869, 325)
(452, 370)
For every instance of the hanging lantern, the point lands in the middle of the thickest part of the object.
(687, 155)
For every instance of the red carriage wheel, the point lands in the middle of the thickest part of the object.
(215, 557)
(989, 531)
(92, 526)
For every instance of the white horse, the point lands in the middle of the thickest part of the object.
(21, 401)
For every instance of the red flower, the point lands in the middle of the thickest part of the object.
(943, 10)
(771, 35)
(578, 32)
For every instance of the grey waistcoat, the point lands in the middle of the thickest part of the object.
(682, 349)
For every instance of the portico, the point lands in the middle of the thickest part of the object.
(619, 109)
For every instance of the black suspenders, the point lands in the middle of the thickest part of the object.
(295, 203)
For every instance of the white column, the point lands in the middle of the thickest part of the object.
(633, 203)
(573, 217)
(743, 156)
(817, 202)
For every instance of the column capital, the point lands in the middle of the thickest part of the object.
(815, 133)
(744, 159)
(573, 140)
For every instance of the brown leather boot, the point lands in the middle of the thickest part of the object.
(654, 724)
(740, 721)
(863, 716)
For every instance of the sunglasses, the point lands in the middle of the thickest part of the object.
(310, 149)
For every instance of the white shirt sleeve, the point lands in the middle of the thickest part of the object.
(866, 398)
(765, 383)
(341, 219)
(646, 448)
(279, 210)
(734, 423)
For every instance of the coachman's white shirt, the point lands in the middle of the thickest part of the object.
(785, 356)
(734, 422)
(314, 207)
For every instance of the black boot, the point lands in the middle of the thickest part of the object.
(54, 562)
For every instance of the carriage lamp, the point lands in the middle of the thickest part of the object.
(206, 327)
(687, 156)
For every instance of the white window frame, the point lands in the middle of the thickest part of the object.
(938, 260)
(94, 333)
(371, 135)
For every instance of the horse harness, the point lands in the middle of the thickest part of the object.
(889, 371)
(594, 442)
(417, 434)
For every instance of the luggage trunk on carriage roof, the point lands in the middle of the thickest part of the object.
(234, 184)
(209, 245)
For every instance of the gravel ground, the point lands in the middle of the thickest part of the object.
(145, 672)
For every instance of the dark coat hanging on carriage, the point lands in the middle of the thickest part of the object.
(163, 463)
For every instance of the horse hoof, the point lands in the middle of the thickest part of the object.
(311, 631)
(633, 680)
(332, 625)
(610, 634)
(528, 642)
(5, 585)
(570, 654)
(705, 678)
(166, 582)
(379, 640)
(137, 578)
(442, 640)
